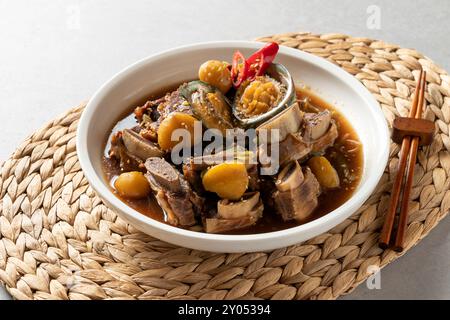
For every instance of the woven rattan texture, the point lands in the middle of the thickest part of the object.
(59, 241)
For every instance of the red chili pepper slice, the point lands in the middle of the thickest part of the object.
(239, 69)
(254, 66)
(270, 50)
(257, 66)
(261, 59)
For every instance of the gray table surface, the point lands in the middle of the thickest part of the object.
(54, 54)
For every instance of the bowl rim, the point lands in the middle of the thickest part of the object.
(332, 218)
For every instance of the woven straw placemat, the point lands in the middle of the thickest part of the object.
(59, 241)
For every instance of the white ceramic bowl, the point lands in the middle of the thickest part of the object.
(180, 64)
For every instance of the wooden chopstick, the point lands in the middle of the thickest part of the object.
(403, 218)
(386, 232)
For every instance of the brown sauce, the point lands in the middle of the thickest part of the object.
(345, 155)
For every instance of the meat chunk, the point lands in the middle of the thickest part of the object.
(164, 174)
(139, 146)
(316, 124)
(320, 131)
(290, 177)
(214, 225)
(173, 192)
(327, 140)
(291, 145)
(235, 215)
(253, 178)
(173, 102)
(292, 148)
(287, 121)
(127, 160)
(177, 207)
(152, 113)
(193, 177)
(296, 197)
(131, 149)
(227, 209)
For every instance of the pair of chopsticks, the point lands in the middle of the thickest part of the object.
(408, 154)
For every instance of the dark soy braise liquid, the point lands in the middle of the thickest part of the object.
(346, 156)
